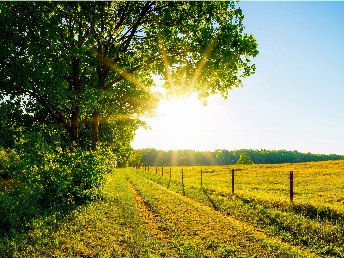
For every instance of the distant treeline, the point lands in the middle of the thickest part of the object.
(153, 157)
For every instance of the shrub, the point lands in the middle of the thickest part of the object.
(49, 179)
(17, 207)
(8, 162)
(65, 177)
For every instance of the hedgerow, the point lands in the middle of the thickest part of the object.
(50, 179)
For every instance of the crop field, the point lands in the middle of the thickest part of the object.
(149, 214)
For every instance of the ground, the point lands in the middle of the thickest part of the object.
(144, 214)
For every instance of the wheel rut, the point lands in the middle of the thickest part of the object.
(152, 222)
(237, 223)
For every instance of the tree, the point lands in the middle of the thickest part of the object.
(88, 66)
(245, 158)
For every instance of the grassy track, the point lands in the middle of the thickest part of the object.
(108, 228)
(201, 231)
(147, 215)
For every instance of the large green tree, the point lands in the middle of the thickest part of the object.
(84, 67)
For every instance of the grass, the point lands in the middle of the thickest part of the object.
(145, 214)
(200, 231)
(315, 183)
(107, 228)
(315, 220)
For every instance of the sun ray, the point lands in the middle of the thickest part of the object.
(165, 60)
(127, 75)
(174, 158)
(203, 61)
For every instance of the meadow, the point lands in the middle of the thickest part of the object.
(149, 214)
(316, 183)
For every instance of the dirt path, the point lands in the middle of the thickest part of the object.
(213, 232)
(164, 243)
(259, 234)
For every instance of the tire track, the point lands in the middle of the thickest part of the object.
(152, 222)
(259, 235)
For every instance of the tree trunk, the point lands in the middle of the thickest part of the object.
(102, 71)
(75, 117)
(74, 129)
(95, 130)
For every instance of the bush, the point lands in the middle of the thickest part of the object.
(48, 179)
(8, 163)
(64, 177)
(17, 207)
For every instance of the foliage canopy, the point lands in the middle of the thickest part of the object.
(83, 72)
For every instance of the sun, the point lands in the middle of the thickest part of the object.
(181, 113)
(181, 123)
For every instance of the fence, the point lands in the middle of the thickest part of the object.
(232, 179)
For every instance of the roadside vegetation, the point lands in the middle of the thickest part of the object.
(108, 227)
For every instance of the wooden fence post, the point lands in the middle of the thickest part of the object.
(162, 171)
(148, 168)
(201, 177)
(182, 177)
(156, 170)
(291, 182)
(170, 173)
(232, 180)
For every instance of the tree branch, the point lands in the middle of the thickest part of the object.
(54, 113)
(124, 46)
(121, 77)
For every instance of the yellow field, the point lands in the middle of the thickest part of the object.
(315, 183)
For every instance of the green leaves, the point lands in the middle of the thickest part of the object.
(76, 60)
(68, 177)
(245, 158)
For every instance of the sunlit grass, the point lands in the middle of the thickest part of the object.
(199, 231)
(144, 214)
(111, 227)
(314, 220)
(316, 183)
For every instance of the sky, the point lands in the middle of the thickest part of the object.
(294, 101)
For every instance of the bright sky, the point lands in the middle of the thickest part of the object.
(295, 100)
